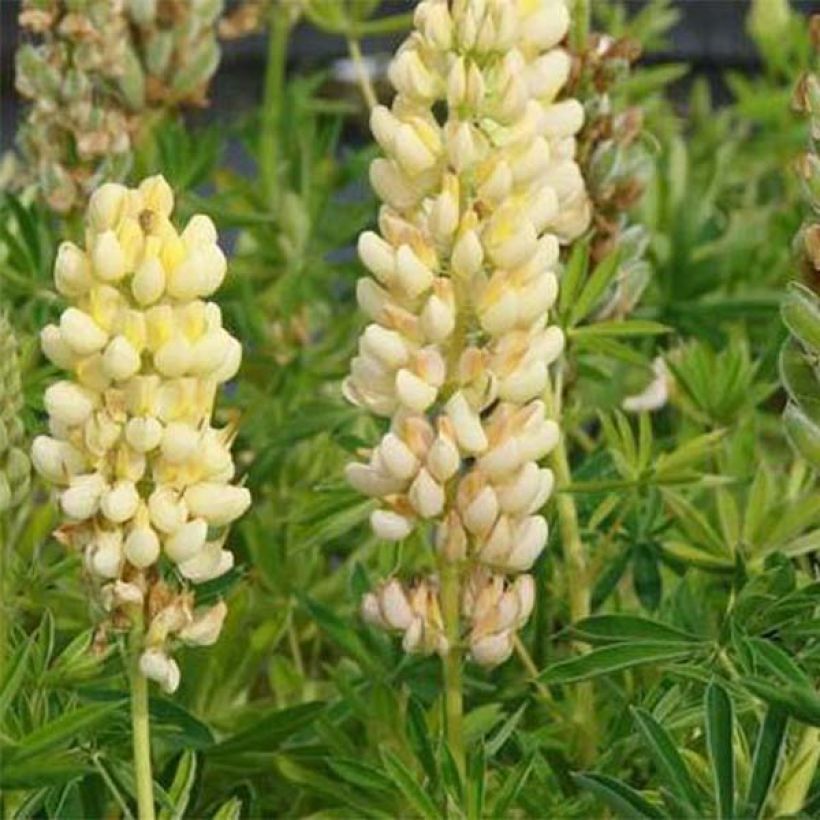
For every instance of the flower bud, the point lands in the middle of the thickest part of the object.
(142, 547)
(72, 273)
(68, 403)
(186, 541)
(81, 333)
(157, 666)
(390, 525)
(206, 626)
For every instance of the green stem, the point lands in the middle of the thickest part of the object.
(453, 694)
(798, 778)
(577, 581)
(5, 613)
(579, 33)
(361, 73)
(140, 729)
(272, 103)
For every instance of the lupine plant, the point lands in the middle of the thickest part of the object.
(462, 465)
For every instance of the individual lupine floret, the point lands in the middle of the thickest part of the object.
(496, 609)
(412, 610)
(141, 475)
(480, 187)
(15, 469)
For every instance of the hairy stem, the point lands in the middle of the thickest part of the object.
(365, 84)
(140, 729)
(453, 695)
(800, 774)
(577, 581)
(579, 33)
(272, 103)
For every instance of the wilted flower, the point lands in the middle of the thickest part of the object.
(477, 200)
(139, 470)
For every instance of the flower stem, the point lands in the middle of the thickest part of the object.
(800, 775)
(581, 14)
(272, 103)
(453, 695)
(577, 581)
(365, 84)
(140, 730)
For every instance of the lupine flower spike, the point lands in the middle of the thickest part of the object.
(142, 477)
(15, 469)
(479, 188)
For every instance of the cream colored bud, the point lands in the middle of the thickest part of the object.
(167, 509)
(148, 282)
(157, 194)
(510, 238)
(389, 525)
(413, 275)
(108, 257)
(230, 364)
(106, 206)
(413, 392)
(468, 254)
(120, 502)
(370, 610)
(210, 351)
(56, 350)
(218, 504)
(378, 256)
(562, 119)
(200, 230)
(205, 628)
(387, 346)
(372, 482)
(174, 357)
(481, 513)
(68, 403)
(81, 333)
(209, 563)
(443, 459)
(397, 457)
(142, 547)
(426, 495)
(155, 665)
(143, 433)
(548, 74)
(391, 185)
(530, 538)
(467, 426)
(462, 150)
(547, 25)
(72, 272)
(105, 554)
(451, 539)
(56, 460)
(119, 593)
(395, 608)
(438, 318)
(179, 442)
(187, 541)
(120, 360)
(492, 650)
(409, 75)
(410, 151)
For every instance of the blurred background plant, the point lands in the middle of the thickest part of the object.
(697, 520)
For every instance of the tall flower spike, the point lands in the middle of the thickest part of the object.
(15, 470)
(142, 477)
(479, 187)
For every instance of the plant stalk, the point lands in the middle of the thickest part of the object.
(579, 33)
(272, 103)
(453, 694)
(140, 729)
(799, 776)
(365, 84)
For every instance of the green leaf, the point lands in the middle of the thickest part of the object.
(719, 727)
(13, 676)
(476, 770)
(270, 730)
(625, 327)
(65, 728)
(615, 628)
(229, 810)
(573, 276)
(415, 795)
(667, 758)
(179, 792)
(418, 734)
(594, 288)
(623, 799)
(497, 741)
(803, 433)
(800, 703)
(339, 630)
(608, 659)
(360, 774)
(512, 785)
(769, 746)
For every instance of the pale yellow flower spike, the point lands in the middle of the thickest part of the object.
(140, 473)
(480, 188)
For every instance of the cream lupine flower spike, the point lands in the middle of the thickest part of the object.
(142, 477)
(478, 194)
